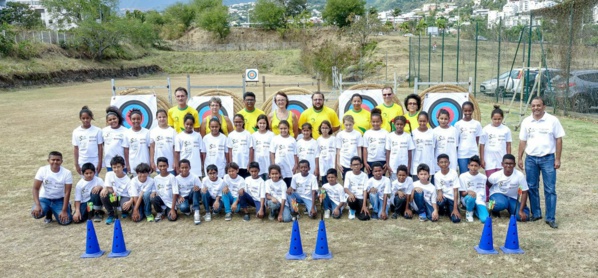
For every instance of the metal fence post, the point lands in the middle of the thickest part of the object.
(458, 48)
(113, 87)
(263, 88)
(475, 63)
(169, 90)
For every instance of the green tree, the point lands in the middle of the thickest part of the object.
(396, 12)
(293, 7)
(75, 11)
(180, 13)
(270, 14)
(19, 14)
(441, 22)
(362, 27)
(338, 12)
(98, 37)
(215, 20)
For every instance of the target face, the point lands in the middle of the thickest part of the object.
(368, 103)
(297, 107)
(450, 105)
(204, 110)
(251, 75)
(147, 117)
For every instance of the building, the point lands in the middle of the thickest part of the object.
(48, 19)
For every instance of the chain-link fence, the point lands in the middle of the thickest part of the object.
(52, 37)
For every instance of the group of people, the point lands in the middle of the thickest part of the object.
(276, 162)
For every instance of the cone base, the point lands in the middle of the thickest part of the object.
(120, 254)
(93, 255)
(485, 252)
(295, 257)
(315, 256)
(511, 251)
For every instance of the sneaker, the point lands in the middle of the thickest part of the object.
(150, 218)
(97, 217)
(271, 217)
(327, 213)
(374, 216)
(187, 213)
(110, 220)
(469, 216)
(124, 215)
(196, 217)
(351, 214)
(208, 217)
(306, 211)
(246, 217)
(394, 215)
(47, 220)
(228, 216)
(159, 216)
(422, 217)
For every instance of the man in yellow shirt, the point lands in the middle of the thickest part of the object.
(250, 113)
(317, 114)
(389, 109)
(176, 114)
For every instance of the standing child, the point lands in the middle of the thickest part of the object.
(240, 146)
(189, 145)
(87, 195)
(447, 139)
(349, 143)
(276, 195)
(335, 199)
(87, 142)
(401, 193)
(189, 191)
(232, 183)
(261, 144)
(374, 143)
(113, 136)
(216, 150)
(399, 147)
(140, 189)
(377, 190)
(424, 196)
(327, 144)
(469, 131)
(424, 140)
(355, 182)
(254, 193)
(494, 144)
(304, 186)
(137, 142)
(447, 184)
(51, 191)
(167, 192)
(162, 141)
(307, 148)
(283, 152)
(211, 192)
(473, 191)
(115, 194)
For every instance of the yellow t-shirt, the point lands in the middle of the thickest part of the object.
(176, 117)
(223, 125)
(413, 121)
(315, 118)
(388, 115)
(275, 121)
(251, 118)
(362, 120)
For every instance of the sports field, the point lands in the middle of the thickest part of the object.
(38, 120)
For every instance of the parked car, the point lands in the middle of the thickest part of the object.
(510, 81)
(583, 90)
(547, 75)
(488, 87)
(481, 38)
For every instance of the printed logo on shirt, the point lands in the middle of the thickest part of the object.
(159, 138)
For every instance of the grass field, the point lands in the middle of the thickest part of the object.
(36, 121)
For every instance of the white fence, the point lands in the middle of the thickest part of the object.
(53, 37)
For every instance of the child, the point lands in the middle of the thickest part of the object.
(162, 141)
(401, 190)
(304, 186)
(424, 196)
(473, 191)
(140, 189)
(254, 193)
(240, 146)
(494, 144)
(283, 152)
(189, 145)
(113, 136)
(349, 143)
(335, 199)
(447, 184)
(116, 191)
(167, 192)
(276, 195)
(506, 186)
(251, 113)
(399, 147)
(469, 131)
(424, 140)
(327, 144)
(216, 150)
(87, 195)
(232, 183)
(87, 142)
(261, 145)
(447, 139)
(211, 192)
(189, 190)
(374, 143)
(307, 148)
(377, 189)
(361, 117)
(354, 187)
(137, 142)
(51, 191)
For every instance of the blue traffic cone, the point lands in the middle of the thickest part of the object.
(321, 252)
(295, 249)
(512, 242)
(486, 246)
(119, 249)
(92, 247)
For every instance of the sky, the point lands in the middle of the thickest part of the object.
(159, 5)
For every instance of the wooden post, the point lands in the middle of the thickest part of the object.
(264, 87)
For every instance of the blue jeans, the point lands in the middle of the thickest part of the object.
(97, 205)
(502, 202)
(54, 205)
(228, 200)
(422, 206)
(193, 199)
(158, 203)
(446, 206)
(147, 203)
(247, 200)
(535, 165)
(377, 204)
(208, 202)
(275, 209)
(330, 205)
(307, 202)
(463, 163)
(399, 205)
(479, 210)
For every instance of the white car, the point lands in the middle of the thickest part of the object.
(488, 87)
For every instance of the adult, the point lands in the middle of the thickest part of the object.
(389, 109)
(541, 138)
(360, 115)
(316, 114)
(282, 113)
(250, 113)
(215, 105)
(413, 105)
(176, 114)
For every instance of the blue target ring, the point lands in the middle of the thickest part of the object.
(146, 113)
(367, 103)
(450, 105)
(296, 107)
(203, 110)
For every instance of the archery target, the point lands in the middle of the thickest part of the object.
(367, 103)
(145, 103)
(251, 75)
(202, 105)
(451, 102)
(297, 104)
(370, 99)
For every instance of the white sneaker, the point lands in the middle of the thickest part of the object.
(158, 216)
(208, 217)
(469, 216)
(197, 218)
(351, 214)
(327, 213)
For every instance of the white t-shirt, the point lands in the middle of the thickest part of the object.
(114, 142)
(240, 143)
(284, 150)
(166, 188)
(447, 140)
(138, 144)
(327, 154)
(255, 188)
(308, 150)
(495, 141)
(215, 150)
(83, 189)
(541, 135)
(187, 183)
(190, 146)
(214, 187)
(136, 186)
(53, 183)
(304, 185)
(356, 183)
(163, 140)
(261, 149)
(336, 192)
(399, 147)
(278, 190)
(375, 142)
(447, 183)
(88, 140)
(424, 149)
(508, 186)
(119, 185)
(405, 187)
(234, 185)
(347, 143)
(468, 132)
(382, 185)
(476, 184)
(429, 191)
